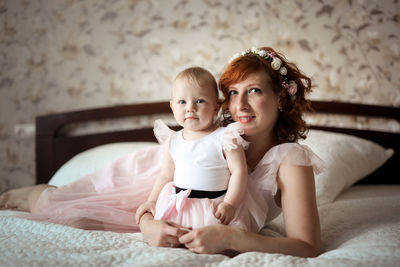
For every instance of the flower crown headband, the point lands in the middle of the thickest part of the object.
(276, 64)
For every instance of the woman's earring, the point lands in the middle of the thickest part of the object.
(280, 108)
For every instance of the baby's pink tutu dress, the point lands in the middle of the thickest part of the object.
(108, 198)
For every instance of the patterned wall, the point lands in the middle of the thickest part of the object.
(62, 55)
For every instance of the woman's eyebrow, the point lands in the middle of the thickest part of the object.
(247, 85)
(254, 84)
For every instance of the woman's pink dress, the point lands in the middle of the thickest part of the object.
(107, 199)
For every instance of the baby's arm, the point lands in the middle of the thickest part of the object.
(236, 160)
(166, 175)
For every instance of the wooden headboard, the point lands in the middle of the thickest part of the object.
(53, 148)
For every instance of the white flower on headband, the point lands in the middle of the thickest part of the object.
(283, 71)
(276, 63)
(254, 50)
(262, 53)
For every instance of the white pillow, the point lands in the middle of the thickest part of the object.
(94, 159)
(347, 159)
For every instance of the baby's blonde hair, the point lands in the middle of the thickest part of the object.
(201, 76)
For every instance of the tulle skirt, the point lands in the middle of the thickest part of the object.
(106, 199)
(194, 212)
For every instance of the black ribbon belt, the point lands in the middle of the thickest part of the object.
(202, 194)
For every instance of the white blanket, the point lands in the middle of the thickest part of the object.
(361, 228)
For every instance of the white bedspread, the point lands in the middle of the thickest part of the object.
(361, 228)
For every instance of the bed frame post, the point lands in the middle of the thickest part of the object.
(44, 149)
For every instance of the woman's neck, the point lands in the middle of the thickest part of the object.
(259, 145)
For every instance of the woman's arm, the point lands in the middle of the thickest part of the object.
(296, 184)
(299, 207)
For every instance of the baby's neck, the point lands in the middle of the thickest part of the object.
(194, 135)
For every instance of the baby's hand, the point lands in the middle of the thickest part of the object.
(225, 212)
(148, 206)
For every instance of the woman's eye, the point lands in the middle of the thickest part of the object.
(255, 90)
(181, 102)
(232, 92)
(198, 101)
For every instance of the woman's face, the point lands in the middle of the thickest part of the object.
(253, 103)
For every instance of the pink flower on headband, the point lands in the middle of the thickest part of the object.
(292, 88)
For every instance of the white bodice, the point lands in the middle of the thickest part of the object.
(200, 164)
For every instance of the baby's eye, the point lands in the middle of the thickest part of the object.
(232, 92)
(255, 90)
(198, 101)
(181, 102)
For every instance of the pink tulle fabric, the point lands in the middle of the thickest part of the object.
(107, 199)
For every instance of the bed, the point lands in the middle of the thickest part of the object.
(358, 194)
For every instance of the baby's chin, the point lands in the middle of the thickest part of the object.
(197, 129)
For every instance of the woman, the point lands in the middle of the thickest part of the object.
(265, 93)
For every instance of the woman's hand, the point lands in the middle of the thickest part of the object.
(148, 206)
(225, 212)
(160, 233)
(209, 239)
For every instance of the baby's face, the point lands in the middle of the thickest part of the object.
(194, 106)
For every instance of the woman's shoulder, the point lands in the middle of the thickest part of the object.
(265, 172)
(282, 150)
(292, 154)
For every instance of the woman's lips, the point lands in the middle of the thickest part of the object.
(246, 119)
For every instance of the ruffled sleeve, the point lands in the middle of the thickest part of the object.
(288, 153)
(162, 132)
(233, 132)
(302, 155)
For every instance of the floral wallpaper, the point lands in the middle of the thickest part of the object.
(68, 55)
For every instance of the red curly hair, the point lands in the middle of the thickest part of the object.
(290, 125)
